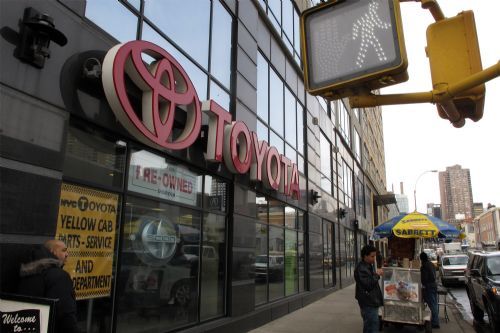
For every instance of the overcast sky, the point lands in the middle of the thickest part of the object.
(417, 139)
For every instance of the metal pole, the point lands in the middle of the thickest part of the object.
(435, 96)
(415, 188)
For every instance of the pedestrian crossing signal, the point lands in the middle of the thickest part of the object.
(352, 46)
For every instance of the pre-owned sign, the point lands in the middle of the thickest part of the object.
(167, 89)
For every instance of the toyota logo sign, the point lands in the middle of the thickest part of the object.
(164, 85)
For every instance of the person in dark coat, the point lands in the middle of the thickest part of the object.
(368, 291)
(429, 288)
(43, 276)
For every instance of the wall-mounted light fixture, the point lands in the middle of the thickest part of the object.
(37, 30)
(314, 197)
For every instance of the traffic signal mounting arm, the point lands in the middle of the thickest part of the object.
(433, 96)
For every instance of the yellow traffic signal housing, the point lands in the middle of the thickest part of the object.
(352, 46)
(453, 51)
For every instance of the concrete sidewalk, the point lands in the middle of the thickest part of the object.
(339, 312)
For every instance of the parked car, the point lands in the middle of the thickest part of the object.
(483, 286)
(272, 264)
(452, 268)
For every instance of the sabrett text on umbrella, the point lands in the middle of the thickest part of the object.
(412, 232)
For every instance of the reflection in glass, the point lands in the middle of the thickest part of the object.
(262, 131)
(326, 160)
(261, 203)
(276, 262)
(187, 24)
(291, 271)
(112, 17)
(300, 129)
(93, 158)
(291, 120)
(219, 95)
(260, 263)
(262, 88)
(221, 44)
(212, 266)
(276, 141)
(290, 217)
(296, 32)
(276, 212)
(195, 74)
(315, 261)
(276, 103)
(328, 254)
(215, 194)
(163, 284)
(302, 262)
(287, 24)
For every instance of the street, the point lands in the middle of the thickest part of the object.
(459, 295)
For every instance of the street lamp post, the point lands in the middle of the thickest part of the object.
(415, 188)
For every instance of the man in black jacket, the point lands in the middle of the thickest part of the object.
(43, 276)
(429, 288)
(368, 291)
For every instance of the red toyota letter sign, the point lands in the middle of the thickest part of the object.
(167, 89)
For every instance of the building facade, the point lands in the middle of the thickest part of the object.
(478, 209)
(434, 210)
(456, 194)
(198, 187)
(487, 228)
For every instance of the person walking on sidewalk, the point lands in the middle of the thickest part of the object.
(368, 291)
(429, 288)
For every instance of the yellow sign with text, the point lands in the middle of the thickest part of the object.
(415, 225)
(87, 225)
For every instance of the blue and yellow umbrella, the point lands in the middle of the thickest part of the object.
(416, 225)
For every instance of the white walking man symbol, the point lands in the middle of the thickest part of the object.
(365, 29)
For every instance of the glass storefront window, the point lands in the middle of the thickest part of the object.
(300, 129)
(291, 119)
(276, 103)
(291, 271)
(219, 95)
(315, 260)
(212, 266)
(93, 158)
(279, 251)
(112, 17)
(276, 262)
(302, 262)
(221, 44)
(290, 217)
(262, 88)
(156, 176)
(276, 212)
(215, 195)
(276, 141)
(326, 163)
(159, 267)
(197, 76)
(260, 267)
(188, 24)
(262, 131)
(261, 203)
